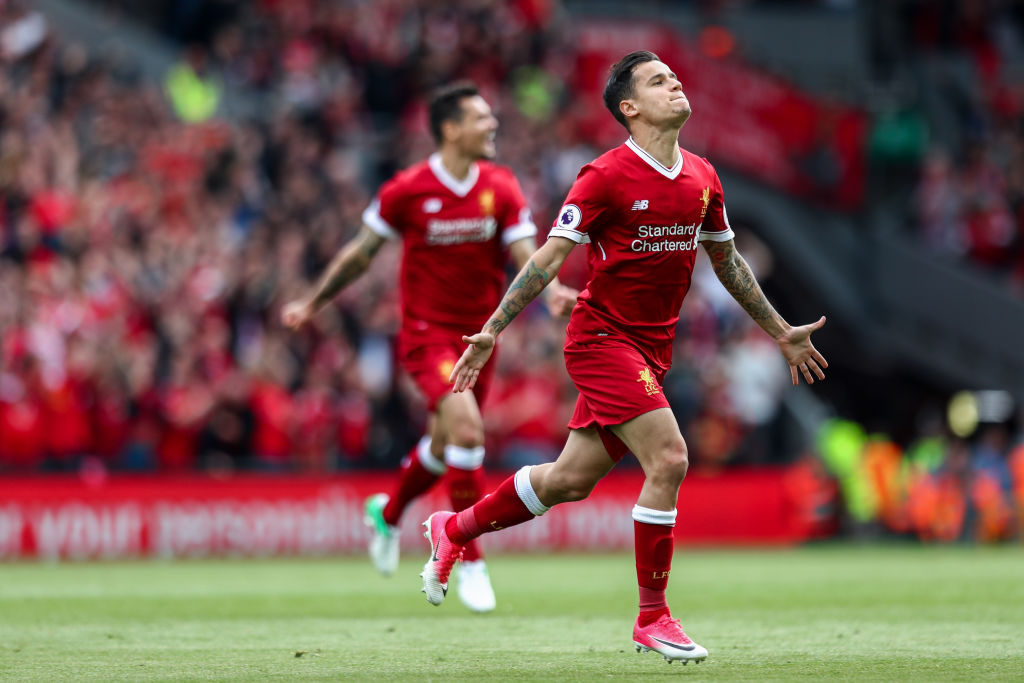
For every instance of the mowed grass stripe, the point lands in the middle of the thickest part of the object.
(838, 611)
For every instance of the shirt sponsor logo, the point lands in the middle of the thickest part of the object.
(640, 205)
(432, 205)
(650, 384)
(644, 243)
(569, 217)
(461, 230)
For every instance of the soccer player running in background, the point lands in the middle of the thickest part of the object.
(642, 208)
(457, 214)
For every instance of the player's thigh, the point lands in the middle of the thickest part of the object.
(653, 438)
(459, 418)
(583, 462)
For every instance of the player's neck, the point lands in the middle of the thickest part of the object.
(458, 165)
(663, 145)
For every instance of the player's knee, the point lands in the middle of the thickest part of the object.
(467, 437)
(466, 434)
(672, 462)
(566, 487)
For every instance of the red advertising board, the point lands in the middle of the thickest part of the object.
(131, 516)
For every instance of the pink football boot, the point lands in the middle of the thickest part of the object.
(443, 556)
(666, 637)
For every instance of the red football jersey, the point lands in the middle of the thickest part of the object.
(454, 234)
(643, 222)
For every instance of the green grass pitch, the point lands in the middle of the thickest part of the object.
(852, 612)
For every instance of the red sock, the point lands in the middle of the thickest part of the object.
(413, 481)
(466, 487)
(654, 544)
(501, 509)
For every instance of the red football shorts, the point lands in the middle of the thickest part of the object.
(616, 384)
(429, 355)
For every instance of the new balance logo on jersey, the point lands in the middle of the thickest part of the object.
(640, 205)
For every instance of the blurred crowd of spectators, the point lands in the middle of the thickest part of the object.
(146, 246)
(949, 134)
(938, 488)
(970, 193)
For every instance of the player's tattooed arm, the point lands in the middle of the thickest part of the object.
(559, 298)
(541, 269)
(530, 282)
(351, 262)
(735, 275)
(794, 342)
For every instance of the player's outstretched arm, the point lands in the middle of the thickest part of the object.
(531, 281)
(794, 342)
(351, 262)
(559, 298)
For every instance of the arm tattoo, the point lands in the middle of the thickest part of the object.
(346, 267)
(524, 289)
(735, 275)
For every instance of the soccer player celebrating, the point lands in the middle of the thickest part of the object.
(642, 208)
(458, 214)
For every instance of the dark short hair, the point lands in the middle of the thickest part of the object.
(446, 105)
(620, 84)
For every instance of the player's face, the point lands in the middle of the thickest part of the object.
(658, 95)
(476, 131)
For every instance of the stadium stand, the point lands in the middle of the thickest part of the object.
(149, 234)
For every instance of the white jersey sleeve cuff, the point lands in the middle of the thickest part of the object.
(574, 235)
(722, 236)
(373, 220)
(517, 232)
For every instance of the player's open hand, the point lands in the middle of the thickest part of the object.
(560, 299)
(800, 353)
(467, 370)
(295, 314)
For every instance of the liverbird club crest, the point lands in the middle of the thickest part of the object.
(650, 384)
(487, 202)
(706, 198)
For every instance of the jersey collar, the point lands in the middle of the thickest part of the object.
(670, 173)
(460, 187)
